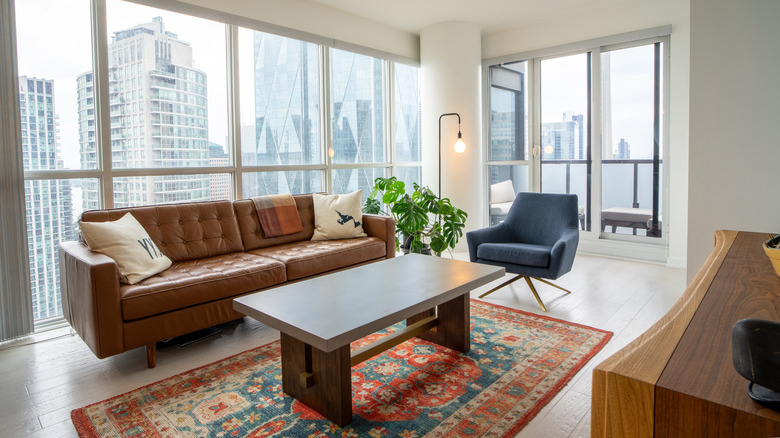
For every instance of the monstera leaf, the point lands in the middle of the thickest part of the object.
(421, 217)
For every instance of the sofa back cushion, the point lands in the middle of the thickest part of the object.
(252, 232)
(183, 232)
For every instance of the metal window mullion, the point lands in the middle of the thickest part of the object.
(593, 128)
(284, 168)
(666, 139)
(486, 136)
(325, 126)
(234, 109)
(390, 117)
(102, 100)
(535, 124)
(169, 171)
(656, 132)
(61, 174)
(359, 165)
(408, 164)
(509, 162)
(595, 150)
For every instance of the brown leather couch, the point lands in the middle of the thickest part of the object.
(218, 251)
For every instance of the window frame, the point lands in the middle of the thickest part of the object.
(649, 248)
(105, 173)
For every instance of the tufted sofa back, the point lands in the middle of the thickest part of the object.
(184, 232)
(252, 233)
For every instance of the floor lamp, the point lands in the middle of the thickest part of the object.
(459, 145)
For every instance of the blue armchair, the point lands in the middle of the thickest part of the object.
(538, 239)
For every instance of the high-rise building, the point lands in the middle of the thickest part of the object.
(48, 202)
(219, 183)
(286, 128)
(564, 140)
(624, 150)
(159, 118)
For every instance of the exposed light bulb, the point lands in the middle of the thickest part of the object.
(459, 145)
(548, 149)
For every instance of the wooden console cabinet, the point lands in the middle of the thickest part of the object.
(677, 379)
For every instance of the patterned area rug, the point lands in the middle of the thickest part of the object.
(517, 363)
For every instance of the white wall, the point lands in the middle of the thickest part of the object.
(735, 103)
(450, 78)
(623, 18)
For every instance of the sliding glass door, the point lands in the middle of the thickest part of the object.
(631, 153)
(565, 153)
(595, 120)
(508, 153)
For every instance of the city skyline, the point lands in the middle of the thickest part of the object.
(48, 203)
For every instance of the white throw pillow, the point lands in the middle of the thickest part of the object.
(127, 242)
(338, 216)
(502, 192)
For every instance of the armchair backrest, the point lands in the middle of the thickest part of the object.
(541, 218)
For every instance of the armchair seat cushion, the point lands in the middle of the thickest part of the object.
(195, 282)
(516, 253)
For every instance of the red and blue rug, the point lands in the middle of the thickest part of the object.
(517, 363)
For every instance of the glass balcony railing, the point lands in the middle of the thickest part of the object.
(627, 190)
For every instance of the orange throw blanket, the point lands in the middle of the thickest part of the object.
(278, 215)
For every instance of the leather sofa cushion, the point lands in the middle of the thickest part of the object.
(517, 253)
(252, 232)
(194, 282)
(307, 258)
(184, 232)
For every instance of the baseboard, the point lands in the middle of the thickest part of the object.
(625, 250)
(677, 262)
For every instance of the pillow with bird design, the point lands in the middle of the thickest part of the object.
(338, 216)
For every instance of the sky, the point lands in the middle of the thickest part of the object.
(56, 45)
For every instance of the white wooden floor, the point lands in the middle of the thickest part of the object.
(46, 376)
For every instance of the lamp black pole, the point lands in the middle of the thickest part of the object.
(459, 136)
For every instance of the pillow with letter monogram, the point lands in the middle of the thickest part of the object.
(338, 216)
(127, 242)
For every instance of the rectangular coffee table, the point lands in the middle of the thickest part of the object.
(318, 318)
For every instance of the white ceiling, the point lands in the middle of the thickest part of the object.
(491, 15)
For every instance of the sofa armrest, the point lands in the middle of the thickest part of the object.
(89, 283)
(382, 227)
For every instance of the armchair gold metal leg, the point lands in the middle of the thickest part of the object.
(536, 295)
(506, 283)
(530, 285)
(552, 284)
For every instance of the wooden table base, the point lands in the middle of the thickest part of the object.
(322, 380)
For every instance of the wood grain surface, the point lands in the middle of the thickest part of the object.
(701, 367)
(623, 397)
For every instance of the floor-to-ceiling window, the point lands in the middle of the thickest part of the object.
(508, 151)
(357, 148)
(595, 118)
(564, 154)
(281, 132)
(632, 152)
(53, 53)
(183, 108)
(406, 124)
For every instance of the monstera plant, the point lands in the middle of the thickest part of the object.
(422, 219)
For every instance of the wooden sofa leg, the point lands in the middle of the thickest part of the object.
(151, 355)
